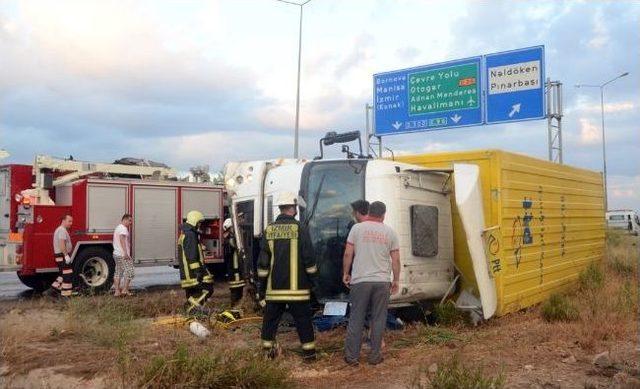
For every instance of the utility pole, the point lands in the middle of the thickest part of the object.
(296, 134)
(604, 149)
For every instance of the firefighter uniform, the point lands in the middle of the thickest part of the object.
(237, 282)
(285, 270)
(63, 284)
(195, 279)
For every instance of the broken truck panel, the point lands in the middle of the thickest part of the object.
(468, 199)
(545, 223)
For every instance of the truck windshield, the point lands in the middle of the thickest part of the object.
(329, 187)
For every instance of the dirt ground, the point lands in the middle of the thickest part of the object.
(103, 342)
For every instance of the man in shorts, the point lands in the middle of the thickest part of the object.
(122, 256)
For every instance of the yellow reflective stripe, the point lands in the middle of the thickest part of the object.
(263, 273)
(200, 253)
(188, 283)
(228, 315)
(293, 263)
(289, 291)
(236, 277)
(312, 269)
(267, 343)
(270, 265)
(187, 277)
(309, 346)
(282, 231)
(207, 279)
(194, 265)
(198, 301)
(287, 298)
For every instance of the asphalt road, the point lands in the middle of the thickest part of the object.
(145, 278)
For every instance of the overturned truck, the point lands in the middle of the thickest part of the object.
(501, 231)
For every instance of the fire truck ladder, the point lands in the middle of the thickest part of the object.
(77, 169)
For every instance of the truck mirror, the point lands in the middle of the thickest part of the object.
(329, 138)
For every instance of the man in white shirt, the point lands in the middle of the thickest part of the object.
(62, 250)
(122, 256)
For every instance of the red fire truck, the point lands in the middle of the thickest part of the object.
(33, 199)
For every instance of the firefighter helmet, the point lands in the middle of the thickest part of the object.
(227, 224)
(194, 217)
(287, 198)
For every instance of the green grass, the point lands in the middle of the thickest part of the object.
(426, 335)
(454, 375)
(622, 265)
(103, 322)
(559, 308)
(625, 298)
(214, 369)
(591, 278)
(448, 315)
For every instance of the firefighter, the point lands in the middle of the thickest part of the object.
(195, 279)
(286, 270)
(236, 283)
(62, 248)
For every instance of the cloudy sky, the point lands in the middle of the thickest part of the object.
(204, 82)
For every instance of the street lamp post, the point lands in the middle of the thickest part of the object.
(604, 150)
(297, 126)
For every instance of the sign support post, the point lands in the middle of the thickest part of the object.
(554, 120)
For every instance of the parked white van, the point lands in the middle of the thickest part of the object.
(624, 219)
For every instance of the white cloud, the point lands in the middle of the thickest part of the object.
(624, 192)
(584, 106)
(589, 133)
(205, 81)
(600, 32)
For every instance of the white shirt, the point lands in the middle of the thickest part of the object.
(117, 247)
(61, 233)
(372, 243)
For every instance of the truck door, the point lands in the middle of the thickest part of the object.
(246, 219)
(154, 226)
(329, 188)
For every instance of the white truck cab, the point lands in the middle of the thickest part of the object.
(418, 209)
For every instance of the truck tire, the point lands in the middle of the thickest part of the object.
(94, 268)
(38, 282)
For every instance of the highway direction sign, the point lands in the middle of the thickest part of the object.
(431, 97)
(515, 85)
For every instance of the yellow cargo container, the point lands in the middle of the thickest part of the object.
(545, 223)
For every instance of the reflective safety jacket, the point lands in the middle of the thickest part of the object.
(192, 268)
(236, 268)
(286, 264)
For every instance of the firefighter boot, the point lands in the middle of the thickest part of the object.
(272, 351)
(309, 356)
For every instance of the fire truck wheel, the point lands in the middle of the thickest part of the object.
(94, 268)
(38, 282)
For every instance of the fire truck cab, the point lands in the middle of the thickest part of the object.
(96, 196)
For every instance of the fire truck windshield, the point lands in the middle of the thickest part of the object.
(329, 187)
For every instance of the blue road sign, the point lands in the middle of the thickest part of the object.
(515, 85)
(427, 98)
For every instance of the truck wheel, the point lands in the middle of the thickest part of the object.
(94, 268)
(38, 282)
